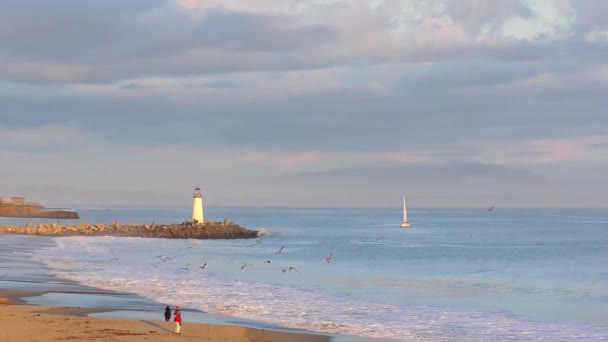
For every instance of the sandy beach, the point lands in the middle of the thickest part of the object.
(23, 282)
(20, 322)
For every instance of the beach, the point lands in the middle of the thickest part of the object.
(24, 281)
(42, 323)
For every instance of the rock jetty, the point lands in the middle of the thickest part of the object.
(185, 230)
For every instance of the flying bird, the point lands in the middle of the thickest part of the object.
(291, 268)
(267, 262)
(165, 259)
(203, 267)
(187, 268)
(279, 251)
(242, 267)
(329, 258)
(490, 208)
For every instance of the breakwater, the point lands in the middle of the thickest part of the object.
(186, 230)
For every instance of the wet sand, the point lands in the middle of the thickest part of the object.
(24, 281)
(41, 323)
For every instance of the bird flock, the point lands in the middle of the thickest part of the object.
(162, 259)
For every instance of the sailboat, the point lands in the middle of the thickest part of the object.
(404, 224)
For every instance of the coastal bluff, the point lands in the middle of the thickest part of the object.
(18, 207)
(186, 230)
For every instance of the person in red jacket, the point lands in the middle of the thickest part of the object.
(178, 320)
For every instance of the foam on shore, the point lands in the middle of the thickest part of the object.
(24, 281)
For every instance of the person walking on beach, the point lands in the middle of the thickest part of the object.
(167, 313)
(178, 320)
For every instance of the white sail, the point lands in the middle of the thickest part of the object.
(404, 223)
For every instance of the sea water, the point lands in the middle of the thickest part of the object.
(454, 275)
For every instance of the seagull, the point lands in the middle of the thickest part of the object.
(291, 268)
(114, 259)
(491, 208)
(284, 270)
(155, 265)
(279, 251)
(242, 267)
(165, 259)
(203, 267)
(267, 262)
(329, 258)
(187, 268)
(255, 243)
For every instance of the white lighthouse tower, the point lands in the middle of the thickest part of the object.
(197, 206)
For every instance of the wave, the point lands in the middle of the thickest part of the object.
(121, 264)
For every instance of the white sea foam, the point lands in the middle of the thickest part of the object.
(124, 264)
(264, 232)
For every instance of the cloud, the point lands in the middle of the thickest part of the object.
(548, 19)
(86, 43)
(310, 99)
(48, 138)
(113, 41)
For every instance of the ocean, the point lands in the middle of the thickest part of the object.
(454, 275)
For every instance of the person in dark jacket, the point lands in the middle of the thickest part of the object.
(167, 313)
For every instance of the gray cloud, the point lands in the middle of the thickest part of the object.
(68, 31)
(125, 78)
(241, 31)
(99, 42)
(340, 120)
(107, 41)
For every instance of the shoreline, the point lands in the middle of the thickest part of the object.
(25, 286)
(20, 322)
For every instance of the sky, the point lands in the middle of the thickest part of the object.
(338, 103)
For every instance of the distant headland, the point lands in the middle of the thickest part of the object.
(185, 230)
(18, 207)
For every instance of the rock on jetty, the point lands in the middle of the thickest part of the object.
(185, 230)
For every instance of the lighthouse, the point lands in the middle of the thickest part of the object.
(197, 206)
